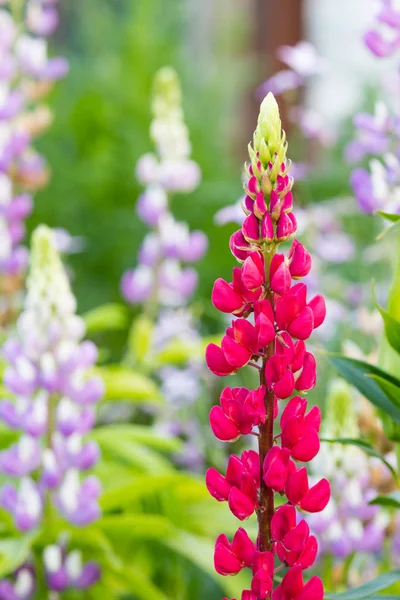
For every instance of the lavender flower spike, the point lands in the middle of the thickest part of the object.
(26, 77)
(161, 275)
(47, 374)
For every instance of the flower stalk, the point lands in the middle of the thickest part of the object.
(275, 341)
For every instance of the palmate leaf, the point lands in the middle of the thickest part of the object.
(367, 448)
(368, 590)
(371, 382)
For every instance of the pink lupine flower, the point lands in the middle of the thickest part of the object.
(299, 260)
(293, 542)
(293, 587)
(239, 412)
(235, 297)
(300, 494)
(230, 558)
(263, 572)
(240, 485)
(300, 431)
(273, 342)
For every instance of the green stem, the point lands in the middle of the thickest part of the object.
(51, 427)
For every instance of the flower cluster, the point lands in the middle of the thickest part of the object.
(54, 397)
(273, 342)
(26, 77)
(160, 275)
(384, 39)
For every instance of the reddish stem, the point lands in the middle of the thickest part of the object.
(266, 438)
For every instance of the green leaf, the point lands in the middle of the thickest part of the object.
(125, 494)
(367, 448)
(123, 384)
(363, 376)
(108, 317)
(392, 217)
(140, 338)
(13, 552)
(136, 526)
(138, 434)
(136, 582)
(382, 582)
(391, 500)
(392, 326)
(388, 387)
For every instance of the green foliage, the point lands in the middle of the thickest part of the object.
(381, 583)
(108, 317)
(101, 128)
(376, 385)
(124, 384)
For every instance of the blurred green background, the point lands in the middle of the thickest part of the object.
(101, 128)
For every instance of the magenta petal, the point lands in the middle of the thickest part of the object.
(313, 589)
(308, 377)
(317, 497)
(217, 362)
(224, 298)
(302, 327)
(307, 447)
(225, 562)
(251, 228)
(223, 428)
(217, 485)
(318, 306)
(240, 505)
(235, 354)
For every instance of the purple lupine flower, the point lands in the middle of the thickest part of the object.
(378, 136)
(384, 39)
(48, 375)
(66, 570)
(25, 75)
(161, 275)
(303, 62)
(21, 586)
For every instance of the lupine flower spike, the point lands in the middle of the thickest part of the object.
(161, 276)
(27, 75)
(52, 398)
(273, 341)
